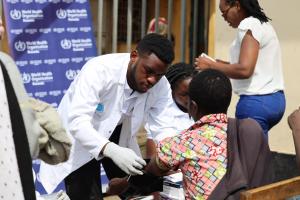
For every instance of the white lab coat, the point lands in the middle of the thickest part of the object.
(181, 121)
(92, 108)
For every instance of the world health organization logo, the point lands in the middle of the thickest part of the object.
(26, 77)
(61, 14)
(20, 46)
(15, 14)
(66, 44)
(71, 74)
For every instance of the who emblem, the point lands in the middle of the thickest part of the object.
(20, 46)
(71, 74)
(61, 14)
(26, 77)
(15, 14)
(66, 44)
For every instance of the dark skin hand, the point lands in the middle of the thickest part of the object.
(119, 185)
(241, 70)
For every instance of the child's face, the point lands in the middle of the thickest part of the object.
(180, 93)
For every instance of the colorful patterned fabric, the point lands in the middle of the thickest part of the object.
(201, 154)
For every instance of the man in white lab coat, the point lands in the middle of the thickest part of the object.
(109, 100)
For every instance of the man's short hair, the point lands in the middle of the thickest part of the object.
(157, 44)
(211, 90)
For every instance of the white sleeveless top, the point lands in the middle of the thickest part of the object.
(267, 77)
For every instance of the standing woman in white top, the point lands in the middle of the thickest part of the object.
(255, 65)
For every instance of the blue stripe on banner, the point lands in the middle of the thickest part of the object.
(104, 180)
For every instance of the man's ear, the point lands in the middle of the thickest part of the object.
(133, 55)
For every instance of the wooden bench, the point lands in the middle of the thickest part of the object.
(275, 191)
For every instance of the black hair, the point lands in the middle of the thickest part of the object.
(157, 44)
(211, 90)
(179, 71)
(252, 8)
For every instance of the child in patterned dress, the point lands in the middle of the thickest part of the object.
(200, 151)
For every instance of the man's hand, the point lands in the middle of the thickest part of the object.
(124, 158)
(294, 120)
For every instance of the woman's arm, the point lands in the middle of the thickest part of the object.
(241, 70)
(222, 61)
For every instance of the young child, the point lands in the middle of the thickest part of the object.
(200, 151)
(179, 76)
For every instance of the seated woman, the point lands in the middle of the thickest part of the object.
(179, 76)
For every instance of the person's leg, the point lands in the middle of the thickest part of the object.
(79, 183)
(252, 107)
(267, 110)
(275, 106)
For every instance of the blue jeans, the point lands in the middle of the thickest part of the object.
(267, 109)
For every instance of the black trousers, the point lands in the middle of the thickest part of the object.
(85, 182)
